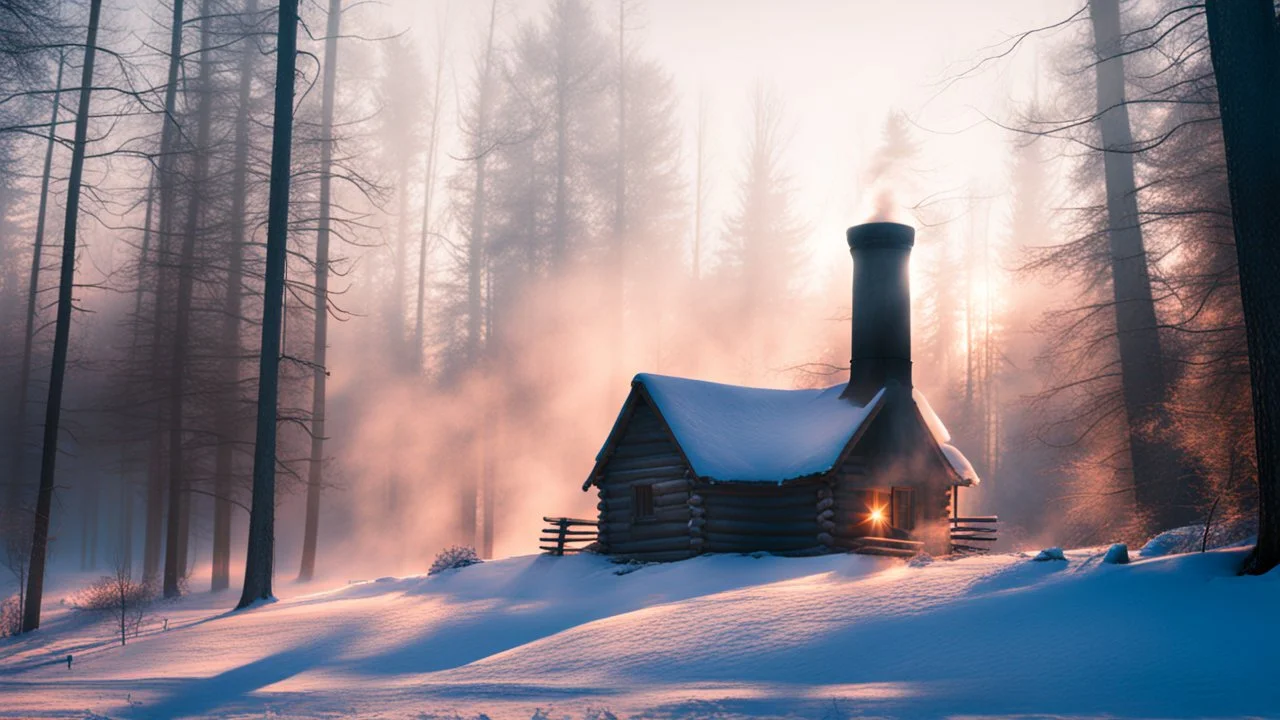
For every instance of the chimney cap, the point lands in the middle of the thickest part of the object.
(881, 234)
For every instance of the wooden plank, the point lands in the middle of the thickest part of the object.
(801, 501)
(572, 521)
(643, 463)
(660, 556)
(664, 472)
(652, 531)
(630, 448)
(648, 434)
(888, 542)
(624, 492)
(964, 528)
(671, 499)
(886, 552)
(726, 542)
(969, 548)
(974, 538)
(763, 490)
(553, 532)
(977, 519)
(716, 524)
(764, 514)
(670, 513)
(652, 545)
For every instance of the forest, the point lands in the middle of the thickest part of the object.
(313, 289)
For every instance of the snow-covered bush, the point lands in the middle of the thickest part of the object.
(1191, 538)
(1117, 554)
(1053, 553)
(10, 616)
(457, 556)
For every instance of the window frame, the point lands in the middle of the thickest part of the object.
(642, 503)
(895, 520)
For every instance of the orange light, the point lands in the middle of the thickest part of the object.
(877, 515)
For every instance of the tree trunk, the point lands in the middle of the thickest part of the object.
(478, 336)
(156, 480)
(261, 550)
(1246, 64)
(316, 467)
(33, 289)
(1165, 493)
(433, 140)
(618, 261)
(125, 553)
(228, 429)
(61, 336)
(476, 258)
(699, 186)
(154, 528)
(175, 562)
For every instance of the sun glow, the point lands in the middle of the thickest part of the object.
(877, 515)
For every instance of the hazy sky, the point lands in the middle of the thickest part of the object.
(841, 66)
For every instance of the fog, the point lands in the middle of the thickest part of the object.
(479, 351)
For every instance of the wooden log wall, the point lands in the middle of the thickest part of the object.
(645, 455)
(895, 452)
(742, 517)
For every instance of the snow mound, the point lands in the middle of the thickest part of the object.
(1190, 538)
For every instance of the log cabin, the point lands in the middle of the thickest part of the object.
(694, 467)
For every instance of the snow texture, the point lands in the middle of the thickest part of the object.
(732, 433)
(719, 636)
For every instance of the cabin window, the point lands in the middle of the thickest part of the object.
(642, 502)
(903, 508)
(877, 514)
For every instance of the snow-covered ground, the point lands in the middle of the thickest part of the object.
(717, 636)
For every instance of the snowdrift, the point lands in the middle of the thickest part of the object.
(716, 636)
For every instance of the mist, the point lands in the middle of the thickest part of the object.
(531, 202)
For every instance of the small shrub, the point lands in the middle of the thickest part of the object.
(457, 556)
(119, 597)
(10, 616)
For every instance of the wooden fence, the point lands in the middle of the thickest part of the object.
(887, 546)
(561, 535)
(969, 534)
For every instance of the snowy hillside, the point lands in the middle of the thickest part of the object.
(717, 636)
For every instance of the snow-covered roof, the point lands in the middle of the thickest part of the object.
(955, 458)
(746, 434)
(733, 433)
(960, 464)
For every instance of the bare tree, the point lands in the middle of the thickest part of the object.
(260, 555)
(33, 290)
(315, 467)
(62, 334)
(1161, 485)
(226, 419)
(120, 597)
